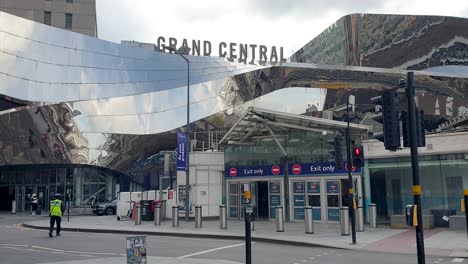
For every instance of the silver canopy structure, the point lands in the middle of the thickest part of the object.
(257, 123)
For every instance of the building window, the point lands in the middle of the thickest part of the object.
(70, 1)
(48, 18)
(68, 21)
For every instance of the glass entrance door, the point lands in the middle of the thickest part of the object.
(28, 192)
(333, 200)
(314, 199)
(43, 196)
(234, 200)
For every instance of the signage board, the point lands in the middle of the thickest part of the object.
(313, 187)
(333, 187)
(298, 187)
(253, 171)
(320, 168)
(182, 144)
(136, 250)
(275, 187)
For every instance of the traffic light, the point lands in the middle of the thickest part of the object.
(337, 151)
(358, 156)
(389, 118)
(420, 128)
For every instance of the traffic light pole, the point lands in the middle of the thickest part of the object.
(415, 166)
(349, 165)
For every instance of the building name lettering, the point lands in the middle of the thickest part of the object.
(244, 53)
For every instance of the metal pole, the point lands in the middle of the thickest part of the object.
(187, 169)
(68, 202)
(248, 245)
(465, 196)
(415, 166)
(350, 177)
(372, 215)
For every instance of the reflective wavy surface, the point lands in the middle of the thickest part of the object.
(100, 103)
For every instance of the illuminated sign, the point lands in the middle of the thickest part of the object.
(244, 53)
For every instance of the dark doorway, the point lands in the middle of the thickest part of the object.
(379, 195)
(5, 200)
(396, 197)
(454, 192)
(262, 199)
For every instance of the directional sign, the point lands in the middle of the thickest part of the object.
(352, 170)
(275, 169)
(296, 169)
(233, 172)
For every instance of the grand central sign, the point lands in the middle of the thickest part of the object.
(244, 53)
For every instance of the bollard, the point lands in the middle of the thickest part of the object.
(157, 214)
(372, 215)
(308, 220)
(344, 221)
(222, 217)
(279, 219)
(138, 214)
(163, 210)
(175, 216)
(13, 207)
(198, 216)
(360, 219)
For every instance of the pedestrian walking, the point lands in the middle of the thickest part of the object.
(34, 204)
(55, 214)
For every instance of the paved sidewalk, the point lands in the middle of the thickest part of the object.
(438, 242)
(151, 260)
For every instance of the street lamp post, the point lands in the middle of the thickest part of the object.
(187, 164)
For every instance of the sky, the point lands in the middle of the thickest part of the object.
(282, 23)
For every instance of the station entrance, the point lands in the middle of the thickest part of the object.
(266, 194)
(284, 160)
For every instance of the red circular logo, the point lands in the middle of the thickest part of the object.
(347, 169)
(296, 169)
(275, 169)
(233, 172)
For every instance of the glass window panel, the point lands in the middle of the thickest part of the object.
(314, 200)
(53, 176)
(68, 21)
(11, 176)
(28, 176)
(3, 177)
(48, 18)
(20, 177)
(332, 200)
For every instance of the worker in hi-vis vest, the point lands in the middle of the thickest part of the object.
(55, 214)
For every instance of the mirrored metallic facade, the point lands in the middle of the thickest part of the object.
(89, 101)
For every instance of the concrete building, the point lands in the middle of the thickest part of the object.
(74, 15)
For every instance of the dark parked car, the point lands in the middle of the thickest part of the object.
(109, 208)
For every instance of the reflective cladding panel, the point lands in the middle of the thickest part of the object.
(112, 105)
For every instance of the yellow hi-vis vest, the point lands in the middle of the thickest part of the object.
(56, 208)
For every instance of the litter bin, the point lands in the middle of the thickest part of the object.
(147, 210)
(442, 217)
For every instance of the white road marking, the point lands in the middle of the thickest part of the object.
(94, 253)
(70, 254)
(304, 261)
(51, 249)
(312, 258)
(457, 260)
(14, 245)
(323, 253)
(435, 261)
(211, 250)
